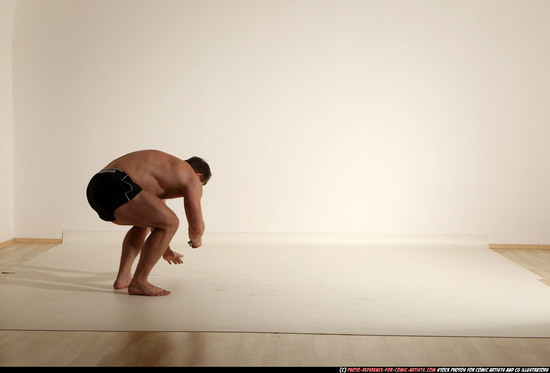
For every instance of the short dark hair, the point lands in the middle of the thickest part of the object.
(200, 166)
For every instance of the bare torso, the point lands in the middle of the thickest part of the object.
(159, 173)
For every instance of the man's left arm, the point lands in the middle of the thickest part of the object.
(193, 212)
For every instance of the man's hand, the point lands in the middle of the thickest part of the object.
(172, 257)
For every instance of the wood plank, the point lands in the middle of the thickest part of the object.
(517, 246)
(17, 253)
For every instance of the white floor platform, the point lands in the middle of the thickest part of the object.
(285, 284)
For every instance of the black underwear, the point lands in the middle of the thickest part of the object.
(108, 190)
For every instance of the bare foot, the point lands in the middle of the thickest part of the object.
(122, 282)
(146, 289)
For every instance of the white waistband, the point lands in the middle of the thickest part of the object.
(111, 170)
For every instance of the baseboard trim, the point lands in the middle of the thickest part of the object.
(31, 240)
(7, 243)
(38, 240)
(517, 246)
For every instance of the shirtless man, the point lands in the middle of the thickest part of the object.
(131, 191)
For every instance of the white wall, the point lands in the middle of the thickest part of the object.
(7, 12)
(316, 115)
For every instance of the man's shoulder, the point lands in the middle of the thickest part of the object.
(178, 170)
(157, 159)
(165, 166)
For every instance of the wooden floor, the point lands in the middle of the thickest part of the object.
(62, 348)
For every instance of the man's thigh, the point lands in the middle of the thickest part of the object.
(145, 210)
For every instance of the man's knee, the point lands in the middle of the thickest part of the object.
(172, 224)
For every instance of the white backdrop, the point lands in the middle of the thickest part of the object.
(316, 115)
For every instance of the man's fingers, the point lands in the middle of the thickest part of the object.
(175, 258)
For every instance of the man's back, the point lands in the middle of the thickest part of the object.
(157, 172)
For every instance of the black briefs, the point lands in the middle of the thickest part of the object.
(108, 190)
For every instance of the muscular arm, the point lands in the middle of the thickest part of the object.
(193, 211)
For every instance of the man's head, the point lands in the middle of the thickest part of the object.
(201, 168)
